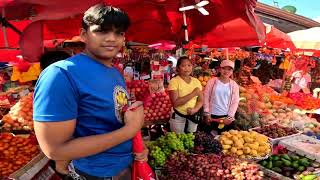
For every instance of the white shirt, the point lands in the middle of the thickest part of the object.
(221, 98)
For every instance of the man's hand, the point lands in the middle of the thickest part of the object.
(228, 120)
(134, 117)
(191, 111)
(142, 156)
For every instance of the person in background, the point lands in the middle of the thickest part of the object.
(301, 81)
(51, 57)
(186, 97)
(221, 99)
(46, 60)
(78, 103)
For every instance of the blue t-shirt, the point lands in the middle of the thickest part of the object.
(83, 89)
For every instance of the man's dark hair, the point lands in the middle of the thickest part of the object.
(51, 57)
(106, 17)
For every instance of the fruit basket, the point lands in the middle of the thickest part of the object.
(274, 139)
(250, 146)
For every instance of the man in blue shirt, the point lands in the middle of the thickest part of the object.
(78, 102)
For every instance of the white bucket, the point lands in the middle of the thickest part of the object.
(177, 125)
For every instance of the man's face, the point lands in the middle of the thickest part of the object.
(103, 44)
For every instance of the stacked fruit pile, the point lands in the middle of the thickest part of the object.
(245, 144)
(20, 115)
(15, 152)
(289, 164)
(204, 80)
(209, 166)
(157, 107)
(276, 131)
(168, 144)
(139, 88)
(305, 101)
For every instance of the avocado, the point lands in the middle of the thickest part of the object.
(301, 168)
(264, 163)
(269, 165)
(277, 169)
(275, 157)
(286, 162)
(286, 156)
(295, 158)
(295, 164)
(278, 164)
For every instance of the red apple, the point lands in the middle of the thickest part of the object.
(164, 105)
(161, 117)
(157, 107)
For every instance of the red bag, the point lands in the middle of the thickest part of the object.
(140, 169)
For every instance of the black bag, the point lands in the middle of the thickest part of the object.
(196, 118)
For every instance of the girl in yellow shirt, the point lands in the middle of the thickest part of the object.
(186, 97)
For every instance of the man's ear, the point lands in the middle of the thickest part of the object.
(83, 35)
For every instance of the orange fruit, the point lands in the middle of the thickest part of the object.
(200, 78)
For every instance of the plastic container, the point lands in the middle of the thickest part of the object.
(177, 125)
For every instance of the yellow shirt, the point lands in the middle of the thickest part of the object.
(183, 88)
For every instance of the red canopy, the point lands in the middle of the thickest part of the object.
(278, 39)
(230, 23)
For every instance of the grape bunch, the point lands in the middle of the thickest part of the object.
(187, 139)
(158, 156)
(164, 146)
(205, 143)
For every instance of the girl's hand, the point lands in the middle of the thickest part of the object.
(228, 120)
(191, 111)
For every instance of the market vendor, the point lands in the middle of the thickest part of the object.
(78, 103)
(221, 100)
(186, 97)
(301, 81)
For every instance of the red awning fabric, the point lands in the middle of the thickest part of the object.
(278, 39)
(12, 36)
(7, 55)
(230, 23)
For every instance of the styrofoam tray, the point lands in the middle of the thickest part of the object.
(273, 174)
(292, 145)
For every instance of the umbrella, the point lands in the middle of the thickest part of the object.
(277, 39)
(308, 39)
(140, 169)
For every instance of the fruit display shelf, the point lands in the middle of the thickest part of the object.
(31, 169)
(303, 145)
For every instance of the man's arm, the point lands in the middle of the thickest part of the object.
(55, 138)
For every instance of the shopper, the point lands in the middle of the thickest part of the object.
(78, 103)
(186, 97)
(221, 99)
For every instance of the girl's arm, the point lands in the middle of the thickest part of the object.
(179, 101)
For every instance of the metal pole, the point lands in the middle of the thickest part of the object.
(186, 36)
(4, 29)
